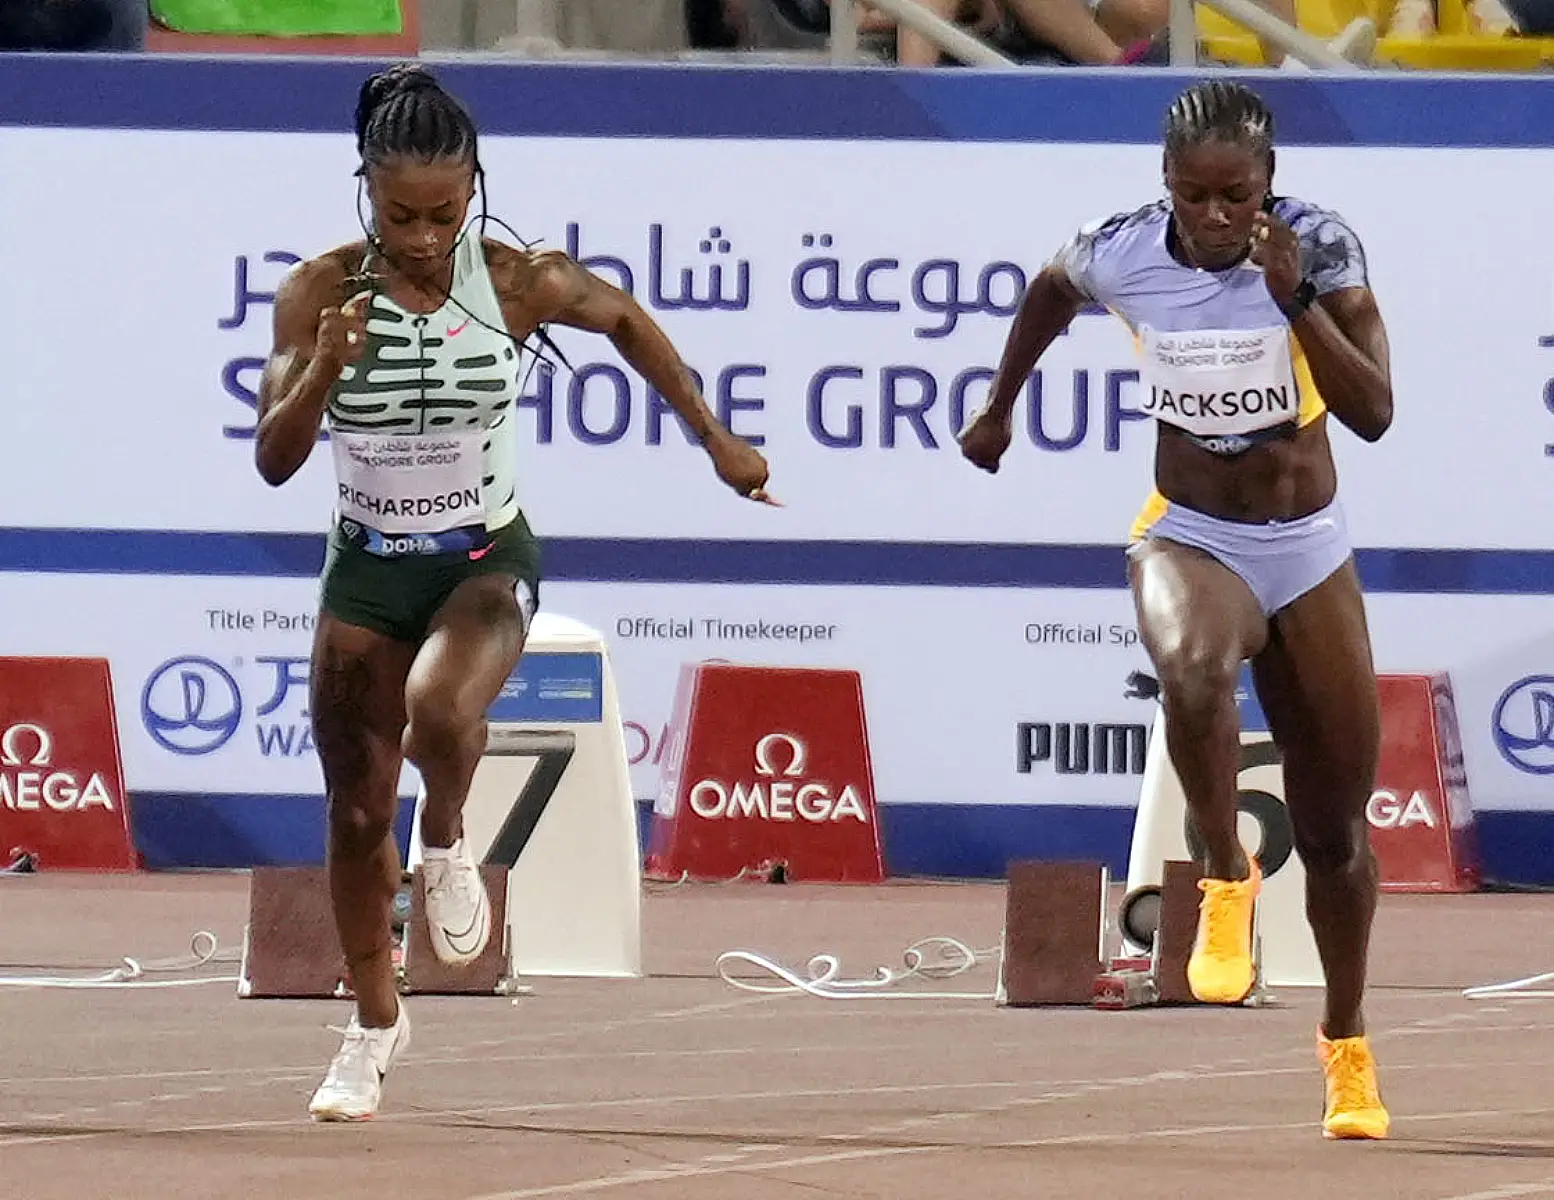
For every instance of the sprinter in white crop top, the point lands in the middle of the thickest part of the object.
(410, 344)
(1255, 324)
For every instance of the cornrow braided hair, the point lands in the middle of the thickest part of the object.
(403, 112)
(1219, 111)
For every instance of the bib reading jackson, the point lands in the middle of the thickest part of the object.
(1220, 383)
(427, 483)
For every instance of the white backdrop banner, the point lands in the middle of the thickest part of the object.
(844, 300)
(848, 325)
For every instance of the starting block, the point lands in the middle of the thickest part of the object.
(291, 949)
(550, 817)
(1061, 946)
(551, 803)
(424, 972)
(1054, 933)
(1163, 832)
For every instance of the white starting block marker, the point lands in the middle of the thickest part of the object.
(552, 801)
(1161, 833)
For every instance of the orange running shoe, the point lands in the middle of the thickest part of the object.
(1221, 970)
(1353, 1108)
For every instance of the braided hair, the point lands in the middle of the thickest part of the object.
(1219, 111)
(403, 112)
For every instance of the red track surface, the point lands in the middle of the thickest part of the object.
(680, 1085)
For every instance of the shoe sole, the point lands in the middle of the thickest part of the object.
(325, 1116)
(1226, 999)
(1355, 1135)
(1222, 999)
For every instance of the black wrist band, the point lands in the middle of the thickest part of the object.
(1300, 301)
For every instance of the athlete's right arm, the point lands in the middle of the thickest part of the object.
(1050, 305)
(1051, 302)
(312, 343)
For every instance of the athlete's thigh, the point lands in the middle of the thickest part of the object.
(472, 644)
(357, 698)
(1317, 685)
(1193, 611)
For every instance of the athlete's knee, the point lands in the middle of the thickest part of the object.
(439, 730)
(1338, 847)
(358, 827)
(1197, 674)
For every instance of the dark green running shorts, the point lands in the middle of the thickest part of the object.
(398, 596)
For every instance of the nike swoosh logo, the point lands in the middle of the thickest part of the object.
(464, 942)
(455, 330)
(477, 555)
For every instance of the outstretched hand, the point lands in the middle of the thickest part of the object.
(741, 466)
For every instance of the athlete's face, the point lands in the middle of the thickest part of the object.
(419, 209)
(1216, 190)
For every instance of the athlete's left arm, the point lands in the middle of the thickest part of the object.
(556, 288)
(1340, 329)
(1346, 347)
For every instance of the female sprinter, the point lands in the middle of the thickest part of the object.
(1255, 320)
(411, 342)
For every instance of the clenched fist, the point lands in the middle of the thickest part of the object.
(342, 332)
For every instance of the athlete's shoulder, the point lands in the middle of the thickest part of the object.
(1332, 254)
(311, 286)
(1094, 257)
(501, 256)
(529, 275)
(1122, 228)
(1299, 213)
(329, 279)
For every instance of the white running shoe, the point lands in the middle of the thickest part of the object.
(354, 1085)
(458, 908)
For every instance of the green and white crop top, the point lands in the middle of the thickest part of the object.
(422, 424)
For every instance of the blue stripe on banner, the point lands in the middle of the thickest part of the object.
(647, 560)
(979, 841)
(230, 831)
(702, 101)
(175, 831)
(971, 841)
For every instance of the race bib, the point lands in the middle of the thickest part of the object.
(1218, 382)
(423, 483)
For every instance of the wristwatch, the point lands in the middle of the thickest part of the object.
(1300, 301)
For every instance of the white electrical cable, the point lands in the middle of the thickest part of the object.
(204, 949)
(823, 981)
(1513, 989)
(657, 886)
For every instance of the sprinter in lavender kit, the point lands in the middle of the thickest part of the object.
(1254, 321)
